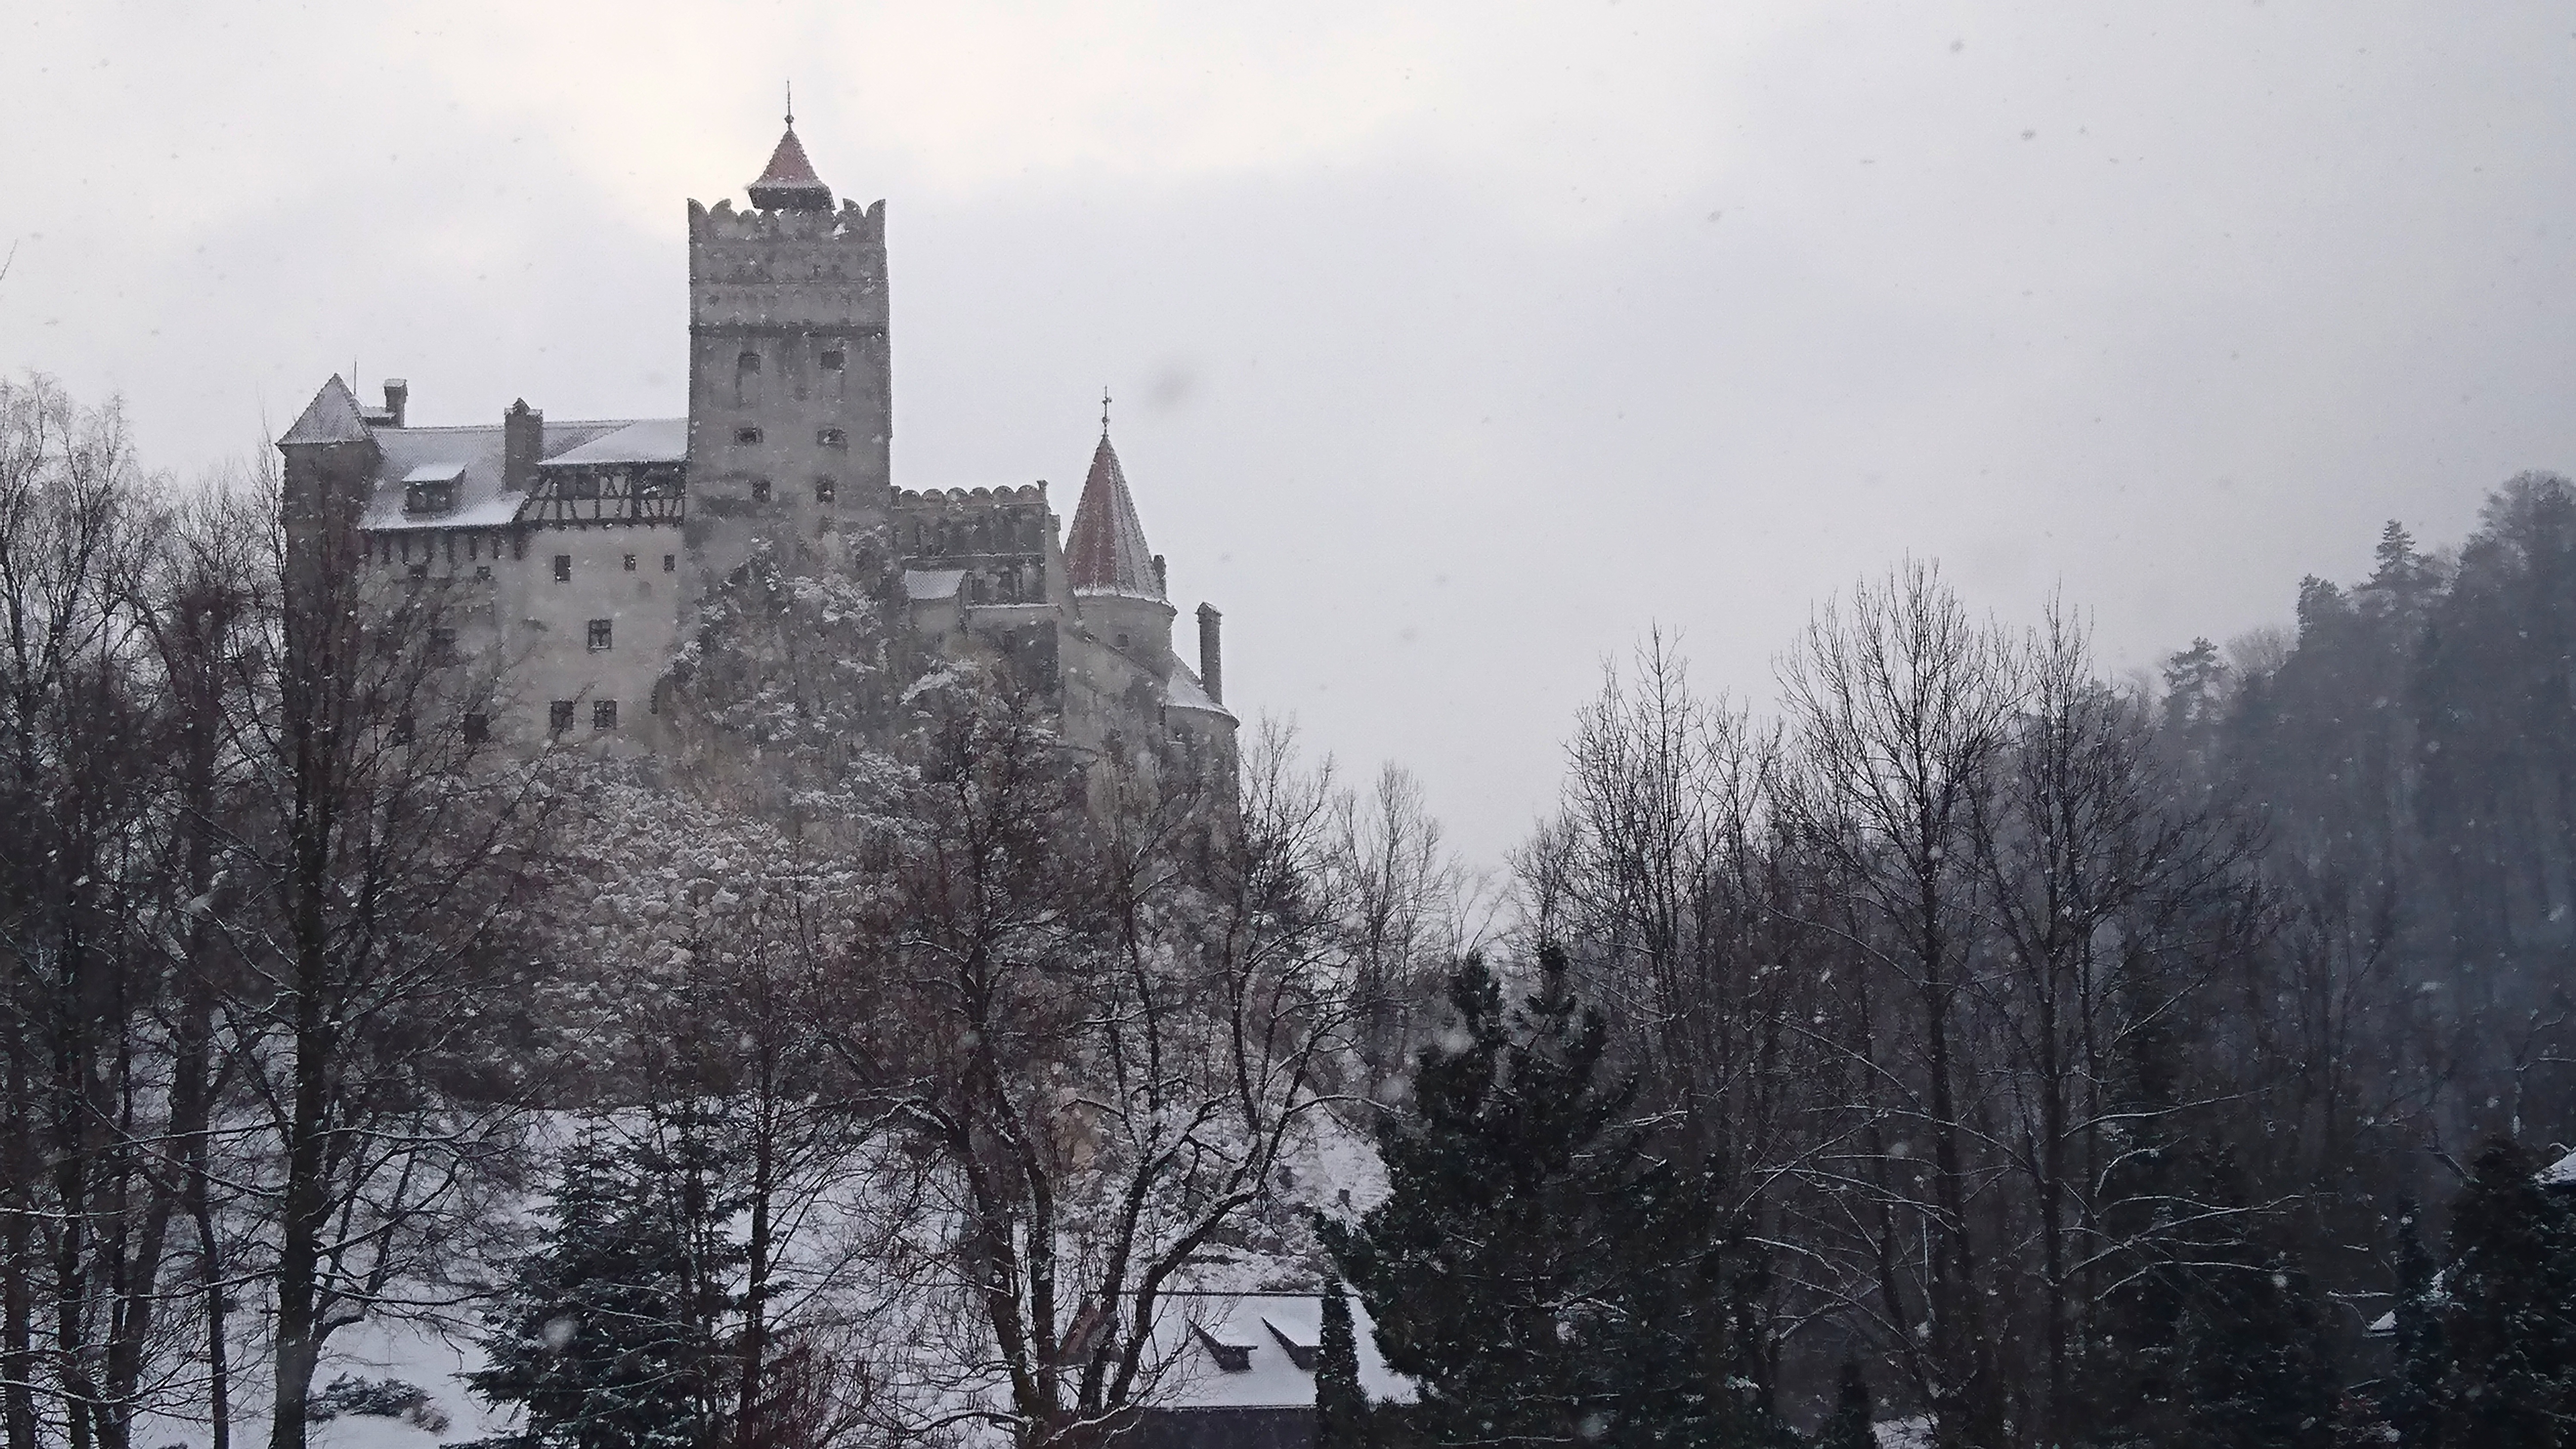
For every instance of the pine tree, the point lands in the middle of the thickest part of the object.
(1341, 1406)
(1849, 1428)
(2415, 1383)
(597, 1338)
(2256, 1371)
(2511, 1286)
(1542, 1273)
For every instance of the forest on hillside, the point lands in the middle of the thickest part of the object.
(1985, 1041)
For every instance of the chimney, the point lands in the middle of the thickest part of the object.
(1211, 658)
(397, 393)
(523, 442)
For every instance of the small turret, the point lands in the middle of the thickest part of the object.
(790, 183)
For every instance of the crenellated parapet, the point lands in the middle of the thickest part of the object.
(1000, 538)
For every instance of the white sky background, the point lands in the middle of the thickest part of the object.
(1454, 347)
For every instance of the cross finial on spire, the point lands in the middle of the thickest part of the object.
(1104, 412)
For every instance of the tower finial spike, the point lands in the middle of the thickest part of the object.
(791, 103)
(1104, 412)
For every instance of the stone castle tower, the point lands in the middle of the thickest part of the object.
(576, 551)
(791, 379)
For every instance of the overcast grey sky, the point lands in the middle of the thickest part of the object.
(1455, 346)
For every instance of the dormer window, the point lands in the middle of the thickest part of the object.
(431, 488)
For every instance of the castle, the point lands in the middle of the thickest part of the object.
(578, 550)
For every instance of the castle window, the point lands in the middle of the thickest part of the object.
(823, 490)
(431, 488)
(760, 490)
(746, 436)
(1122, 641)
(478, 728)
(670, 563)
(402, 728)
(834, 359)
(831, 438)
(442, 642)
(519, 546)
(630, 563)
(601, 632)
(420, 571)
(483, 573)
(473, 541)
(603, 714)
(563, 568)
(559, 716)
(748, 362)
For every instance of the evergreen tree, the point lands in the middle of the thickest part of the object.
(1341, 1406)
(1543, 1274)
(2415, 1384)
(2511, 1286)
(2256, 1371)
(1849, 1428)
(596, 1337)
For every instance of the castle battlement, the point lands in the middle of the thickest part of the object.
(852, 225)
(1026, 492)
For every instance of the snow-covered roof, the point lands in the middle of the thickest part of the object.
(789, 179)
(923, 585)
(651, 440)
(2561, 1173)
(1184, 691)
(332, 417)
(1106, 550)
(468, 457)
(1267, 1333)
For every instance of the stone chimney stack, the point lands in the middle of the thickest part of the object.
(1211, 657)
(397, 393)
(523, 443)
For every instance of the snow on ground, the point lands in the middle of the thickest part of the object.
(420, 1356)
(1913, 1433)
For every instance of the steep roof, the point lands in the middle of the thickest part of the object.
(790, 183)
(1106, 551)
(332, 417)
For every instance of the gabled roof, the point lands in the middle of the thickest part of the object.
(1106, 552)
(332, 417)
(790, 183)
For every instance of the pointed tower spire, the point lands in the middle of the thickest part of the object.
(789, 183)
(1105, 552)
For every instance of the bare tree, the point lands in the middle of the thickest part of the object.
(1105, 1027)
(1901, 703)
(388, 860)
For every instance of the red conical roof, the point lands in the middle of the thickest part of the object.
(1106, 550)
(790, 183)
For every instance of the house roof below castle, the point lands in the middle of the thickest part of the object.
(1257, 1351)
